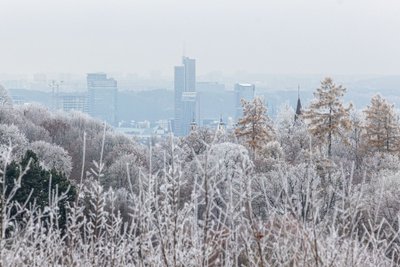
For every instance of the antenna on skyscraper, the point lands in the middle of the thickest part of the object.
(184, 49)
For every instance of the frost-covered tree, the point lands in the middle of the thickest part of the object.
(326, 116)
(5, 99)
(117, 175)
(200, 138)
(115, 146)
(10, 135)
(57, 126)
(254, 128)
(165, 152)
(356, 139)
(81, 127)
(16, 116)
(229, 157)
(292, 134)
(382, 127)
(52, 156)
(35, 113)
(270, 155)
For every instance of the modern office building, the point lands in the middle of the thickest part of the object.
(244, 91)
(102, 97)
(73, 101)
(185, 96)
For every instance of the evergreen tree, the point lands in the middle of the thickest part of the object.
(326, 116)
(381, 126)
(37, 180)
(255, 127)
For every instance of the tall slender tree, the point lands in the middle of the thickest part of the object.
(255, 127)
(382, 128)
(326, 116)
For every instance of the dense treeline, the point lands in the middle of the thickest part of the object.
(318, 188)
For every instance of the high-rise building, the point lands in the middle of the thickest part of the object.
(102, 97)
(244, 91)
(179, 87)
(190, 74)
(185, 96)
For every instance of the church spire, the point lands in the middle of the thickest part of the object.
(193, 124)
(298, 108)
(221, 124)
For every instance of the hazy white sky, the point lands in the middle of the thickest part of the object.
(263, 36)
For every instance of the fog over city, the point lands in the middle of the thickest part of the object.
(279, 47)
(255, 36)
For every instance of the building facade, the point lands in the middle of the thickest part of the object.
(102, 97)
(73, 102)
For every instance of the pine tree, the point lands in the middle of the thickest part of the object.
(382, 126)
(38, 181)
(326, 116)
(255, 127)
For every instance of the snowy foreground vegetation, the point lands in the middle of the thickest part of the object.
(319, 188)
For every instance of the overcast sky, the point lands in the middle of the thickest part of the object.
(256, 36)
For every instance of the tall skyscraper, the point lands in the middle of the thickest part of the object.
(185, 96)
(102, 97)
(244, 91)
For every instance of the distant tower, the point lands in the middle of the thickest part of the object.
(221, 125)
(185, 96)
(193, 124)
(298, 108)
(102, 97)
